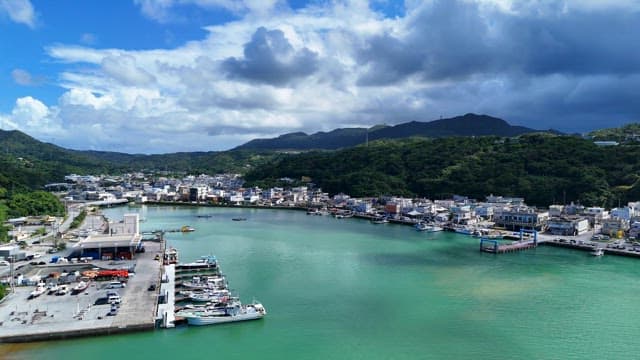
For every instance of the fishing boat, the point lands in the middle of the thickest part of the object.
(82, 286)
(204, 262)
(232, 313)
(39, 290)
(381, 220)
(428, 227)
(187, 228)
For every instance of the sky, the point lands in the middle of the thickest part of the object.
(161, 76)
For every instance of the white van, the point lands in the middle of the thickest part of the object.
(114, 299)
(116, 285)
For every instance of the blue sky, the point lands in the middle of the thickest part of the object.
(156, 76)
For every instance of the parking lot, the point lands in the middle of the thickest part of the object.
(55, 315)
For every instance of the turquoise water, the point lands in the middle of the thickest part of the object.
(348, 289)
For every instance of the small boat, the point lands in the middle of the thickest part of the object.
(465, 230)
(82, 286)
(52, 289)
(204, 262)
(382, 220)
(597, 252)
(204, 216)
(428, 227)
(231, 313)
(62, 290)
(187, 229)
(239, 219)
(39, 290)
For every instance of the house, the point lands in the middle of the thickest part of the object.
(568, 225)
(614, 227)
(521, 217)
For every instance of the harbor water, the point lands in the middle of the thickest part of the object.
(349, 289)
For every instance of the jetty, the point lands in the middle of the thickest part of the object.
(528, 239)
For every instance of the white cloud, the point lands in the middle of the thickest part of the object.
(21, 77)
(20, 11)
(186, 99)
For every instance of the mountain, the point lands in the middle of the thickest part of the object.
(26, 163)
(542, 168)
(466, 125)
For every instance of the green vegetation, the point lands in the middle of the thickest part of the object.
(3, 291)
(629, 133)
(34, 204)
(542, 168)
(78, 220)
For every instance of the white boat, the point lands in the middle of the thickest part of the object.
(52, 289)
(62, 290)
(39, 290)
(82, 286)
(598, 252)
(233, 313)
(379, 220)
(428, 227)
(465, 230)
(203, 263)
(214, 296)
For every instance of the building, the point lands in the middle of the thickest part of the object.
(521, 217)
(567, 226)
(123, 241)
(614, 227)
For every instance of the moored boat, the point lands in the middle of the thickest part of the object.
(82, 286)
(232, 313)
(597, 252)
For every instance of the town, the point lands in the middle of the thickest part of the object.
(49, 254)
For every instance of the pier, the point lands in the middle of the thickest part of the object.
(493, 246)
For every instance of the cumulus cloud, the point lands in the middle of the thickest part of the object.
(570, 65)
(124, 69)
(19, 11)
(270, 58)
(164, 10)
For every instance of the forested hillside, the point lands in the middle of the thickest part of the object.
(542, 168)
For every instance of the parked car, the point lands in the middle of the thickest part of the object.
(116, 285)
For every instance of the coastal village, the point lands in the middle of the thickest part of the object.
(77, 282)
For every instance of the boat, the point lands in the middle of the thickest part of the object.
(39, 290)
(204, 262)
(204, 216)
(428, 227)
(82, 286)
(52, 289)
(232, 313)
(62, 290)
(382, 220)
(465, 230)
(186, 228)
(597, 252)
(239, 219)
(343, 215)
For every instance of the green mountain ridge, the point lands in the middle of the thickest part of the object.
(465, 125)
(542, 168)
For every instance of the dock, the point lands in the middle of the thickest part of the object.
(51, 317)
(166, 309)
